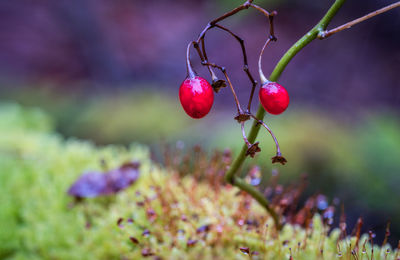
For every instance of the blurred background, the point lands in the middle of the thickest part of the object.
(109, 71)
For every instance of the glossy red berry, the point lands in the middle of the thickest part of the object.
(274, 98)
(196, 96)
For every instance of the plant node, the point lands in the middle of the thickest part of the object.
(253, 150)
(242, 117)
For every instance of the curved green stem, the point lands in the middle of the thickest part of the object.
(259, 197)
(276, 73)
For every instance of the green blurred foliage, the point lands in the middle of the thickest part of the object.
(36, 169)
(15, 118)
(356, 162)
(357, 157)
(39, 221)
(121, 118)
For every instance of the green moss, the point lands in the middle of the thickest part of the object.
(39, 221)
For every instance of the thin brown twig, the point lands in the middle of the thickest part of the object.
(203, 58)
(262, 10)
(245, 62)
(326, 33)
(246, 5)
(272, 37)
(204, 61)
(209, 65)
(278, 150)
(213, 24)
(223, 70)
(240, 111)
(197, 48)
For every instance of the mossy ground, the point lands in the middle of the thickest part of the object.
(162, 215)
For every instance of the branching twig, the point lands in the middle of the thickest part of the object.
(327, 33)
(223, 70)
(213, 24)
(245, 62)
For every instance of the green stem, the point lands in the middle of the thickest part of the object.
(255, 128)
(259, 197)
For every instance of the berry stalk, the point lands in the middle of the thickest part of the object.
(189, 68)
(263, 79)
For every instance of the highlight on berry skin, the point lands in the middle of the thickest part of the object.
(274, 98)
(196, 96)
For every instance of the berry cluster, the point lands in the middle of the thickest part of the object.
(196, 94)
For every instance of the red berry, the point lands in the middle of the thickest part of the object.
(196, 96)
(274, 98)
